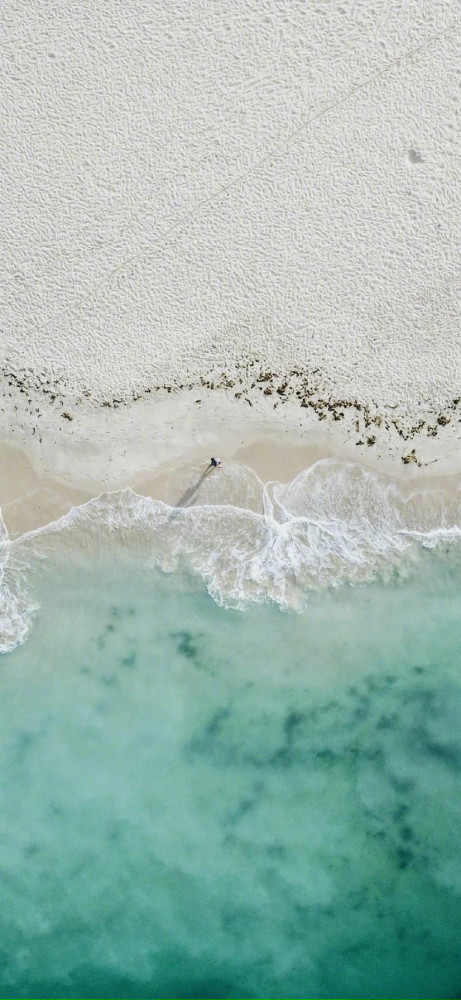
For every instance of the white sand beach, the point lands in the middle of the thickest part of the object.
(222, 223)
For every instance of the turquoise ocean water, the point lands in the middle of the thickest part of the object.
(223, 775)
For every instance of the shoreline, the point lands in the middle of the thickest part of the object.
(247, 536)
(161, 448)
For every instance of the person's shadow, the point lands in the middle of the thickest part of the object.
(191, 493)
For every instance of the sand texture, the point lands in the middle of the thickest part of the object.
(243, 207)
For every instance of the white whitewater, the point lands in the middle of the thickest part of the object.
(335, 523)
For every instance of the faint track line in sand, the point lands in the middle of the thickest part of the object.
(274, 152)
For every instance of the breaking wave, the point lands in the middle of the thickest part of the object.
(334, 523)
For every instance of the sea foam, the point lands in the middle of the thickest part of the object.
(335, 523)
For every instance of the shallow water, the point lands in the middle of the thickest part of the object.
(199, 801)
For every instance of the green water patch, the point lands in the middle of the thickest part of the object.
(200, 802)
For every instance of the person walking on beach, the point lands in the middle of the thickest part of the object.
(215, 463)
